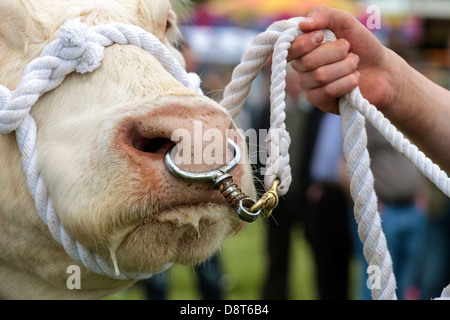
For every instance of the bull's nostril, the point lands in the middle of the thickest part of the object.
(155, 145)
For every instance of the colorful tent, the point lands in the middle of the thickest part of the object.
(265, 11)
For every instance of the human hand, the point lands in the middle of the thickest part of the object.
(330, 70)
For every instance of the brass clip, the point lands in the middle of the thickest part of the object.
(268, 202)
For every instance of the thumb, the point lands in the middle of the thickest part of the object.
(322, 17)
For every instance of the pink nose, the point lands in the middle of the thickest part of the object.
(201, 133)
(142, 143)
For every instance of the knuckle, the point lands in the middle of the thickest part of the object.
(323, 103)
(321, 76)
(354, 60)
(302, 42)
(353, 80)
(297, 66)
(308, 63)
(329, 91)
(342, 47)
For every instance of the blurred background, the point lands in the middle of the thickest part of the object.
(293, 255)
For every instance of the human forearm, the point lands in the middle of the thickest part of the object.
(420, 109)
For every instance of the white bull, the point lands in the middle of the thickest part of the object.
(101, 140)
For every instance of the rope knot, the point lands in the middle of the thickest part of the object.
(76, 45)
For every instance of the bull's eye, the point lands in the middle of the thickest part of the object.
(168, 25)
(171, 20)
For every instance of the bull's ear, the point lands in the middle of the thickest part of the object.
(13, 23)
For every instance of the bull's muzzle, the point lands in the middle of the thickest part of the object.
(223, 182)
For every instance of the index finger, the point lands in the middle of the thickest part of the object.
(304, 44)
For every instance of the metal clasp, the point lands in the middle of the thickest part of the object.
(268, 202)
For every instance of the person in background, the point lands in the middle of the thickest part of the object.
(326, 219)
(315, 201)
(402, 204)
(290, 210)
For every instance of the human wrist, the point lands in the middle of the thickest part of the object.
(396, 72)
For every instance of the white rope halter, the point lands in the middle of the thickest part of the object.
(81, 49)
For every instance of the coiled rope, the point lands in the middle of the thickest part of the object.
(81, 49)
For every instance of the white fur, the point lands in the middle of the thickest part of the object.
(107, 195)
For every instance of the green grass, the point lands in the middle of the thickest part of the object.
(244, 262)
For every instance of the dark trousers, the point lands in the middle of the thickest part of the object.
(278, 247)
(328, 232)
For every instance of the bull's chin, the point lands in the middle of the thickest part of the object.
(181, 235)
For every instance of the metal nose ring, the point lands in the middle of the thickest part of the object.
(203, 176)
(222, 182)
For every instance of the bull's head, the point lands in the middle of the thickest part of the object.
(101, 142)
